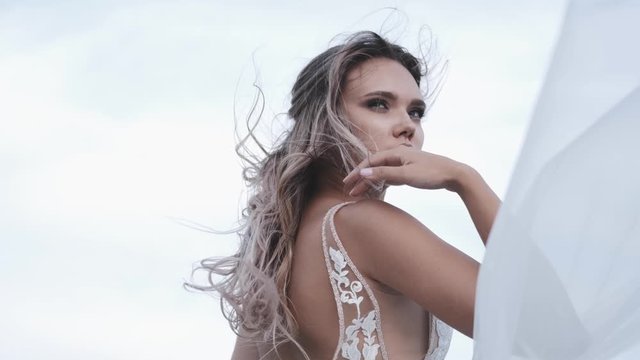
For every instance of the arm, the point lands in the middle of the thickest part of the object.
(429, 171)
(397, 250)
(481, 202)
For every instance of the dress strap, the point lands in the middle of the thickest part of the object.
(439, 338)
(362, 338)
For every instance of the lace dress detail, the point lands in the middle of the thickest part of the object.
(439, 340)
(362, 338)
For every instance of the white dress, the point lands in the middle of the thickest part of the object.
(361, 333)
(561, 274)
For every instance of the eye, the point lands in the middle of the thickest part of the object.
(416, 114)
(378, 105)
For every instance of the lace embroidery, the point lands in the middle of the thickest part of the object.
(349, 295)
(367, 327)
(439, 340)
(347, 292)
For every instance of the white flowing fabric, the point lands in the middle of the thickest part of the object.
(561, 274)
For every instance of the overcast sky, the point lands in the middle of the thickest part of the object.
(117, 117)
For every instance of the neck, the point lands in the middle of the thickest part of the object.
(329, 185)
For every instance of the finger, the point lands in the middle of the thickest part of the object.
(353, 182)
(352, 176)
(390, 157)
(392, 175)
(360, 188)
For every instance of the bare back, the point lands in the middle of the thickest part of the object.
(320, 307)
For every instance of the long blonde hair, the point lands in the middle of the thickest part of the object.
(254, 281)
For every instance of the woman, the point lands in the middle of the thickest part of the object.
(326, 269)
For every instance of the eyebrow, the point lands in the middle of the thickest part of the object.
(391, 96)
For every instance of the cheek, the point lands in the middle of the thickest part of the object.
(370, 136)
(419, 138)
(362, 125)
(373, 135)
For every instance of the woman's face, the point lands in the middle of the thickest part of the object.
(384, 103)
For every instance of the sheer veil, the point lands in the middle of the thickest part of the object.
(561, 274)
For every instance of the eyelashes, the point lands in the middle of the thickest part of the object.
(381, 105)
(377, 104)
(417, 113)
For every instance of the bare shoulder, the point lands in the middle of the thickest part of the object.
(376, 226)
(397, 250)
(368, 213)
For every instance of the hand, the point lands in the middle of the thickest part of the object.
(404, 166)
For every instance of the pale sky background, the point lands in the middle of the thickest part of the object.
(116, 116)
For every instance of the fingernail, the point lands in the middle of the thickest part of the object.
(366, 172)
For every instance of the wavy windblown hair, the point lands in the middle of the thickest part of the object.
(252, 284)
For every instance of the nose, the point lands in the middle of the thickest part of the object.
(405, 127)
